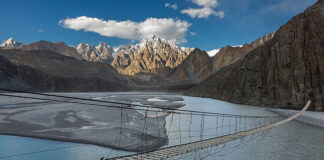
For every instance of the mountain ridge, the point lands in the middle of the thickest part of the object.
(44, 70)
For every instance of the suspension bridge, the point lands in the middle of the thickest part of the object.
(183, 131)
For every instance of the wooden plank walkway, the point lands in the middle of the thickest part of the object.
(173, 151)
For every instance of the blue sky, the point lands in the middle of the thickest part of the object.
(206, 24)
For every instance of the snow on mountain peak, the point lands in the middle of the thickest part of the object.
(103, 45)
(213, 52)
(156, 43)
(11, 43)
(10, 40)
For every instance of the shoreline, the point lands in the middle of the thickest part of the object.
(308, 117)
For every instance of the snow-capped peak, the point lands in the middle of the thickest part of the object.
(10, 40)
(155, 42)
(103, 45)
(11, 43)
(213, 52)
(151, 41)
(238, 46)
(124, 47)
(81, 45)
(86, 46)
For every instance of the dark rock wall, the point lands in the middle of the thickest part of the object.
(285, 72)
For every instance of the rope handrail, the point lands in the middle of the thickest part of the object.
(176, 150)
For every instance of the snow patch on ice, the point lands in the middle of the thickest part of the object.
(100, 123)
(155, 99)
(70, 119)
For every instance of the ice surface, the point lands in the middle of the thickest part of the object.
(87, 123)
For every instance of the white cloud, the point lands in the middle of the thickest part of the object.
(202, 13)
(39, 30)
(167, 28)
(206, 3)
(193, 33)
(206, 10)
(173, 6)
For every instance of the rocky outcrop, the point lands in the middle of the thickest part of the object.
(101, 53)
(44, 70)
(88, 52)
(285, 72)
(58, 47)
(199, 65)
(149, 56)
(125, 55)
(195, 68)
(9, 77)
(105, 52)
(228, 55)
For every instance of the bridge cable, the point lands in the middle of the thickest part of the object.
(168, 110)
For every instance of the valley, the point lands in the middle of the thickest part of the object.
(196, 79)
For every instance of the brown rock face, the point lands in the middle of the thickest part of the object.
(45, 70)
(285, 72)
(88, 52)
(195, 68)
(105, 52)
(150, 56)
(228, 55)
(125, 55)
(101, 53)
(198, 65)
(58, 47)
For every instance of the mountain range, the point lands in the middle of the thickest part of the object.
(280, 69)
(127, 59)
(149, 59)
(44, 70)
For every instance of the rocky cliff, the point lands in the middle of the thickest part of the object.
(101, 53)
(285, 72)
(198, 65)
(229, 54)
(105, 52)
(195, 68)
(88, 52)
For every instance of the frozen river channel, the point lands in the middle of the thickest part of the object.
(99, 127)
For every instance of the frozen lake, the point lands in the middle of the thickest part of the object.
(294, 140)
